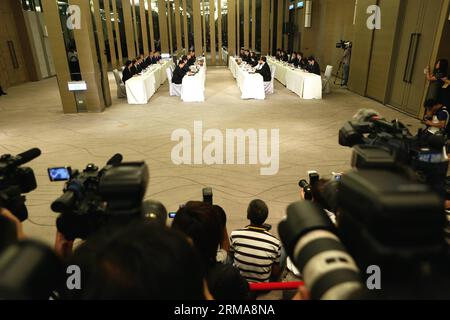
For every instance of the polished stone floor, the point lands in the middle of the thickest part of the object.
(31, 116)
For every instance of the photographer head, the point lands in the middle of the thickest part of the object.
(257, 212)
(140, 261)
(199, 222)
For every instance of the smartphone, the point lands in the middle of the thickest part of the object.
(59, 174)
(172, 215)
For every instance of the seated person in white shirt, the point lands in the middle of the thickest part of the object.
(263, 69)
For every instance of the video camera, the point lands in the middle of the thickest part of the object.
(390, 145)
(16, 180)
(94, 198)
(343, 44)
(385, 218)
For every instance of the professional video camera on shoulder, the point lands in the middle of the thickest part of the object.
(390, 145)
(94, 198)
(16, 180)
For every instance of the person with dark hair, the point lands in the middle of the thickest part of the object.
(179, 72)
(149, 59)
(263, 69)
(436, 116)
(253, 59)
(204, 226)
(294, 60)
(128, 71)
(142, 260)
(284, 56)
(437, 79)
(313, 66)
(302, 62)
(256, 252)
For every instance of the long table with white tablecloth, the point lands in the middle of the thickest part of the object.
(250, 84)
(193, 87)
(305, 85)
(141, 88)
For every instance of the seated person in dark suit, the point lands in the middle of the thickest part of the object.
(179, 72)
(313, 66)
(263, 69)
(149, 59)
(193, 58)
(242, 53)
(186, 67)
(302, 62)
(142, 62)
(127, 73)
(284, 56)
(154, 58)
(294, 61)
(246, 57)
(278, 55)
(137, 66)
(253, 59)
(158, 56)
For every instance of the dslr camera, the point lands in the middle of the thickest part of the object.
(16, 180)
(94, 198)
(342, 44)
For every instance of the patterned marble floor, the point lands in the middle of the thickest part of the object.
(31, 116)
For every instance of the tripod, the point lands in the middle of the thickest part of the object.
(339, 71)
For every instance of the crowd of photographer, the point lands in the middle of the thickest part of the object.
(387, 214)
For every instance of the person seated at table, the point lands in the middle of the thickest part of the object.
(278, 55)
(193, 58)
(253, 59)
(154, 58)
(179, 72)
(284, 57)
(313, 66)
(263, 69)
(302, 62)
(142, 62)
(149, 59)
(127, 73)
(247, 57)
(186, 67)
(294, 61)
(242, 53)
(138, 65)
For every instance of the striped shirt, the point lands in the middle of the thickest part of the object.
(255, 251)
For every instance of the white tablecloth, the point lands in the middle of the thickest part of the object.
(141, 88)
(305, 85)
(193, 87)
(251, 85)
(280, 72)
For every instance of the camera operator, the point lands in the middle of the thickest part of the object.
(201, 224)
(436, 116)
(142, 260)
(346, 57)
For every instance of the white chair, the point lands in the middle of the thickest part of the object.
(326, 81)
(174, 89)
(269, 86)
(121, 90)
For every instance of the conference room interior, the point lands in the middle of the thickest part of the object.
(62, 68)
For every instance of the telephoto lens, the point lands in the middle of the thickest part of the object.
(307, 190)
(309, 237)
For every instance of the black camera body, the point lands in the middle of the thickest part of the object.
(16, 180)
(379, 144)
(95, 198)
(342, 44)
